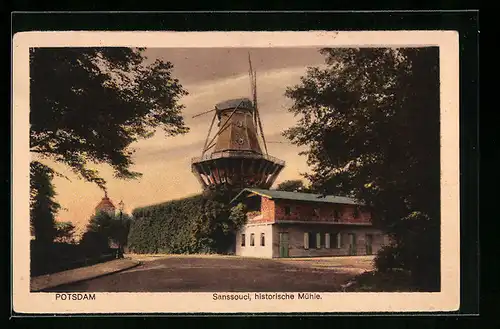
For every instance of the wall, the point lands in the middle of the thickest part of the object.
(257, 250)
(268, 209)
(296, 239)
(320, 212)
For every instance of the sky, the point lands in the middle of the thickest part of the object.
(210, 75)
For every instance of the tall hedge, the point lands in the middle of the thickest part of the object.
(190, 225)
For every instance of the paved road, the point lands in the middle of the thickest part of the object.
(204, 274)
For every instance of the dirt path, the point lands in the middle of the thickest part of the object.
(207, 273)
(351, 264)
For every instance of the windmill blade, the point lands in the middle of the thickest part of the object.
(208, 135)
(251, 75)
(261, 131)
(257, 114)
(254, 94)
(202, 113)
(253, 86)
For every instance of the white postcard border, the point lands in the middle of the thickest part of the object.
(45, 303)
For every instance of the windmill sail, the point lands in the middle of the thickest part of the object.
(253, 88)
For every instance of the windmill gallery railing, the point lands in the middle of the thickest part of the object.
(236, 154)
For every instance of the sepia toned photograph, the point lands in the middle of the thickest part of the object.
(244, 173)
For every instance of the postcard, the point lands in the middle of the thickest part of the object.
(235, 172)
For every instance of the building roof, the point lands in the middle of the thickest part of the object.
(105, 203)
(298, 196)
(244, 103)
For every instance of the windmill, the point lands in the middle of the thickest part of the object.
(233, 156)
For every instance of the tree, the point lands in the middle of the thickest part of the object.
(296, 185)
(122, 230)
(88, 105)
(94, 243)
(99, 233)
(238, 216)
(110, 226)
(65, 232)
(370, 120)
(216, 226)
(43, 207)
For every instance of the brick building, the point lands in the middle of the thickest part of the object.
(292, 224)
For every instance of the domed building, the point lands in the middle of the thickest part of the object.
(105, 205)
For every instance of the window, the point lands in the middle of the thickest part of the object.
(252, 239)
(315, 212)
(306, 240)
(288, 210)
(243, 240)
(312, 240)
(355, 213)
(318, 240)
(338, 240)
(262, 239)
(327, 240)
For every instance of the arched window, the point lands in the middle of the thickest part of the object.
(262, 239)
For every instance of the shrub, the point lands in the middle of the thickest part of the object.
(387, 259)
(415, 249)
(94, 244)
(383, 281)
(54, 257)
(191, 225)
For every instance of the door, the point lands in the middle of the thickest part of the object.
(368, 243)
(283, 244)
(352, 244)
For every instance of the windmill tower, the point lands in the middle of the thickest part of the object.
(233, 157)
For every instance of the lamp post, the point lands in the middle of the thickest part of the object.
(120, 247)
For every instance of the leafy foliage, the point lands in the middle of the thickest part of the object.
(370, 120)
(189, 225)
(53, 257)
(237, 216)
(104, 228)
(43, 207)
(296, 185)
(94, 243)
(65, 232)
(388, 259)
(91, 104)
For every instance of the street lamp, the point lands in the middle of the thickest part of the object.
(120, 247)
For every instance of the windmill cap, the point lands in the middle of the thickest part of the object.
(232, 103)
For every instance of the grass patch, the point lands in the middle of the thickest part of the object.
(391, 281)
